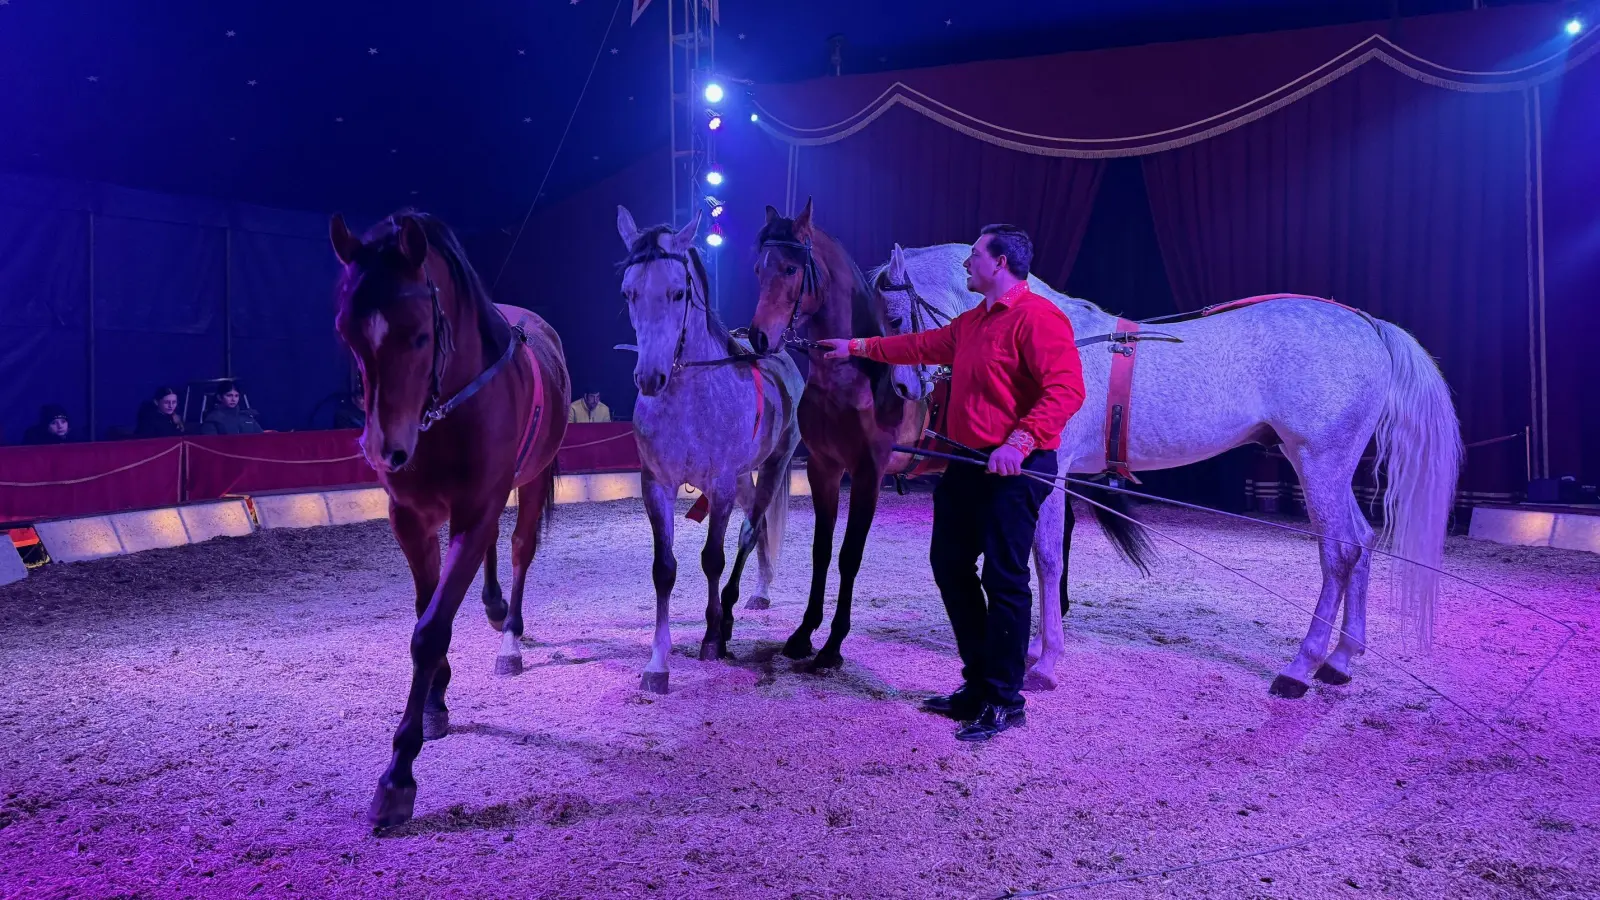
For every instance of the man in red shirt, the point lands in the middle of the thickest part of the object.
(1017, 380)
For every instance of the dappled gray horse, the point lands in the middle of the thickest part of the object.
(1322, 379)
(710, 414)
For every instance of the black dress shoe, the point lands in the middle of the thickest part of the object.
(960, 705)
(991, 721)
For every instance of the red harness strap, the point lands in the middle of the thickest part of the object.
(1119, 393)
(702, 506)
(530, 432)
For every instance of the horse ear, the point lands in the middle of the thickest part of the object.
(772, 215)
(345, 244)
(625, 227)
(413, 241)
(802, 222)
(897, 264)
(685, 236)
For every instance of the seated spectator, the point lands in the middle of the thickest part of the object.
(53, 427)
(158, 416)
(352, 411)
(589, 409)
(227, 416)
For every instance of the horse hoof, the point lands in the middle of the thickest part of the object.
(496, 611)
(710, 650)
(829, 658)
(1036, 680)
(798, 647)
(508, 665)
(391, 806)
(758, 603)
(497, 624)
(1288, 688)
(1329, 675)
(654, 682)
(435, 725)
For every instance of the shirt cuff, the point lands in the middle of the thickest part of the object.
(1023, 441)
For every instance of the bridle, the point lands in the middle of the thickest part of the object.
(691, 299)
(809, 281)
(443, 346)
(919, 306)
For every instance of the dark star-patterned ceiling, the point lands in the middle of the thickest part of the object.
(460, 106)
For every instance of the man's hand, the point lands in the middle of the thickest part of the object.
(1006, 460)
(835, 348)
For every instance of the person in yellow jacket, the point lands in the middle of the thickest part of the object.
(589, 409)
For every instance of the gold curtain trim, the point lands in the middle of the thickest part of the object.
(1375, 47)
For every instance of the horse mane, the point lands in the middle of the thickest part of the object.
(646, 248)
(383, 240)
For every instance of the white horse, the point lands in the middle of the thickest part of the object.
(1321, 379)
(709, 414)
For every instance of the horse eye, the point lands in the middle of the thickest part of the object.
(420, 341)
(896, 322)
(677, 296)
(789, 270)
(626, 298)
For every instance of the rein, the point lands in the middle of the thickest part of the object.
(809, 281)
(443, 346)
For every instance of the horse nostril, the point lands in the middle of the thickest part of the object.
(398, 458)
(758, 340)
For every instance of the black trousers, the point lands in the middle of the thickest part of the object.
(976, 513)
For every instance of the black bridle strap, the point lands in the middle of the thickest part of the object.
(435, 413)
(689, 300)
(809, 282)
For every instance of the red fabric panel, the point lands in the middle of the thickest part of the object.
(598, 447)
(234, 464)
(107, 477)
(1392, 196)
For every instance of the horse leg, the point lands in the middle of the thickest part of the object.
(396, 795)
(494, 603)
(418, 536)
(825, 504)
(1353, 634)
(713, 557)
(531, 501)
(1049, 563)
(747, 542)
(658, 504)
(866, 481)
(773, 488)
(1320, 476)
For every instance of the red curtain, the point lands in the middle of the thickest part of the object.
(249, 463)
(1391, 196)
(911, 180)
(82, 479)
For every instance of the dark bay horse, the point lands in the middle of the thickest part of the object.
(852, 412)
(464, 404)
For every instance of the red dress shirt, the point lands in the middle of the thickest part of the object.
(1015, 365)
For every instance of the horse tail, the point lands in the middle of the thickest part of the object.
(1127, 535)
(548, 513)
(1419, 449)
(776, 519)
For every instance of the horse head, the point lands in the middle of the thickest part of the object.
(390, 315)
(904, 313)
(788, 277)
(662, 282)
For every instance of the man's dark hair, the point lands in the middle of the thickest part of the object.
(1014, 244)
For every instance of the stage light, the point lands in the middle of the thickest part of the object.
(714, 177)
(715, 204)
(715, 122)
(754, 117)
(716, 211)
(714, 93)
(714, 239)
(1574, 26)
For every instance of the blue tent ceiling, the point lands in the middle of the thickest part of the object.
(459, 107)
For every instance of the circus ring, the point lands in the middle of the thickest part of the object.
(210, 719)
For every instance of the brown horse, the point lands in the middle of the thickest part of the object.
(853, 411)
(462, 407)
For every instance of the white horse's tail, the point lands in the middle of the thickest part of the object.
(1419, 448)
(776, 520)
